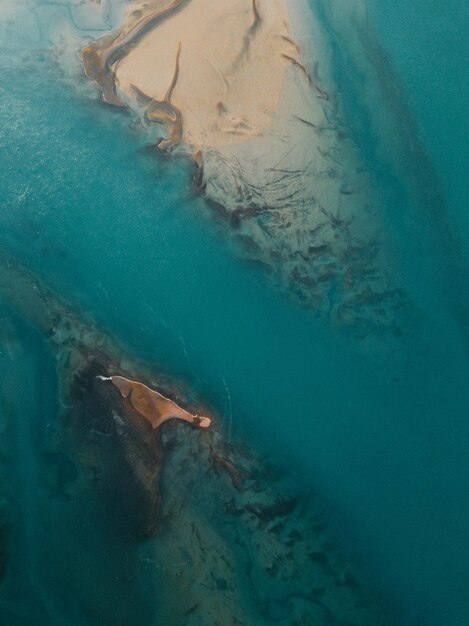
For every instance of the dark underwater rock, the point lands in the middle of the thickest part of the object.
(119, 448)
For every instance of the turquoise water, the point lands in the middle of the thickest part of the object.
(121, 233)
(427, 44)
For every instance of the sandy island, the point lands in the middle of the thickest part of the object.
(222, 72)
(152, 405)
(245, 88)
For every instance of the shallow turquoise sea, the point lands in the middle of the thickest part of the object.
(121, 233)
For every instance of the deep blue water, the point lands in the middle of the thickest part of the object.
(122, 234)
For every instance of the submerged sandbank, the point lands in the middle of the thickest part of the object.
(207, 531)
(241, 88)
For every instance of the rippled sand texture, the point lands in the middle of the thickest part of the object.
(230, 83)
(217, 535)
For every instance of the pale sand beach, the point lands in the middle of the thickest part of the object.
(230, 70)
(243, 88)
(228, 66)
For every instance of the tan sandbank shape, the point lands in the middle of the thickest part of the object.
(232, 59)
(246, 87)
(154, 407)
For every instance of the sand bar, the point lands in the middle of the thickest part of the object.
(245, 87)
(154, 407)
(232, 60)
